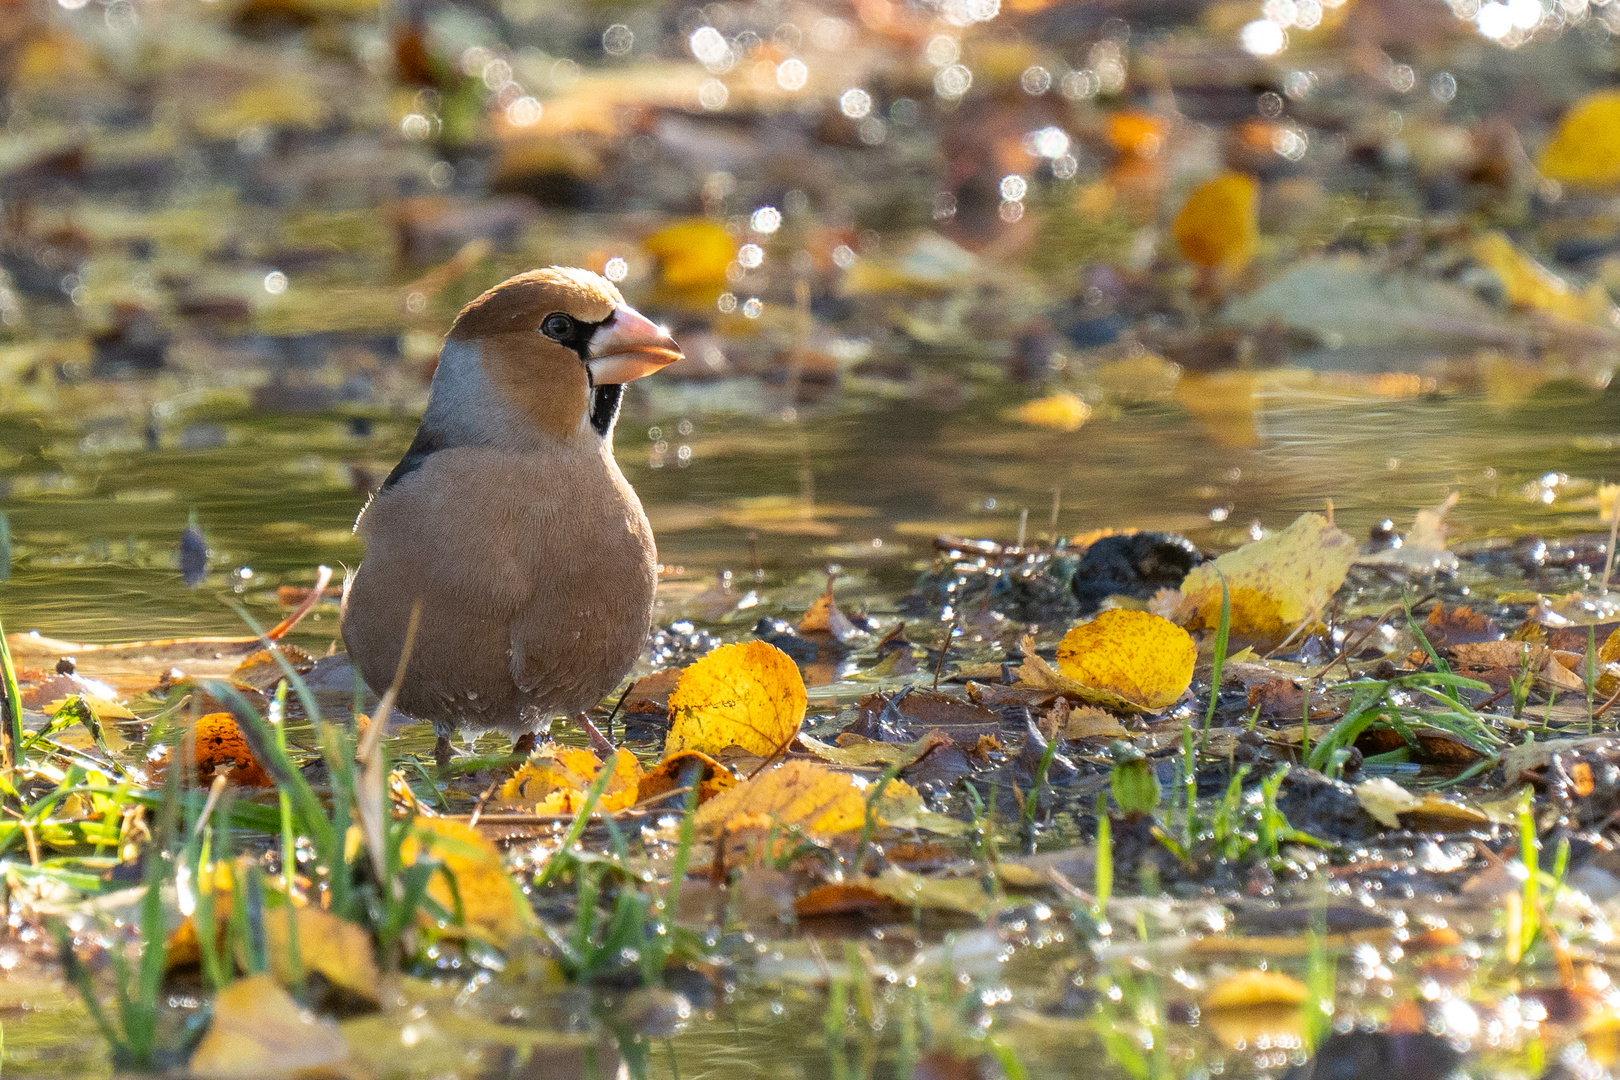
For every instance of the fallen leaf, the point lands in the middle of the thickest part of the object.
(1386, 801)
(1219, 224)
(1585, 147)
(259, 1031)
(1247, 989)
(220, 746)
(666, 776)
(261, 671)
(1530, 285)
(823, 617)
(857, 750)
(803, 794)
(896, 888)
(1145, 659)
(557, 779)
(1275, 583)
(749, 695)
(1061, 411)
(490, 901)
(692, 255)
(337, 949)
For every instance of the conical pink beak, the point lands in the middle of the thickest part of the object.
(629, 346)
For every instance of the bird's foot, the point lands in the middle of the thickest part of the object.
(442, 753)
(524, 744)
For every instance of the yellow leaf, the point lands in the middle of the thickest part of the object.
(1037, 673)
(1219, 224)
(692, 254)
(1386, 800)
(1088, 721)
(1247, 989)
(259, 1031)
(1143, 658)
(334, 947)
(557, 778)
(1585, 150)
(1250, 1006)
(1061, 411)
(749, 695)
(1528, 284)
(490, 901)
(1275, 583)
(817, 799)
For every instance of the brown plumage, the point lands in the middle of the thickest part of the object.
(509, 519)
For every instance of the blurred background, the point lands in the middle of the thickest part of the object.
(972, 267)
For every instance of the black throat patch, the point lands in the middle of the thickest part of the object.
(605, 406)
(424, 446)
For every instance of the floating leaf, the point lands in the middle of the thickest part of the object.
(259, 1031)
(1219, 223)
(1145, 659)
(556, 779)
(749, 695)
(802, 794)
(1585, 149)
(1386, 800)
(1275, 583)
(896, 888)
(1061, 411)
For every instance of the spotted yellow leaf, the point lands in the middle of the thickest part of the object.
(1275, 583)
(749, 695)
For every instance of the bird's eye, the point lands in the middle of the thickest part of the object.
(557, 326)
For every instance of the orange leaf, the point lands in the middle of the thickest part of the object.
(666, 776)
(220, 746)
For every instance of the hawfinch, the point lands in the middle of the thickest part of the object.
(508, 519)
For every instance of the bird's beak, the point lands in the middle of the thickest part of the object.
(629, 346)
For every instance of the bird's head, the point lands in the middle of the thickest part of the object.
(556, 346)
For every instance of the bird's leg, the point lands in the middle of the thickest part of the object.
(442, 753)
(523, 745)
(599, 742)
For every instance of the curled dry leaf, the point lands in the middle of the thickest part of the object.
(1275, 583)
(1089, 722)
(1142, 658)
(802, 794)
(259, 1031)
(823, 617)
(557, 778)
(749, 695)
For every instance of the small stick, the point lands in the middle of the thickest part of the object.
(944, 650)
(1057, 505)
(619, 705)
(1023, 526)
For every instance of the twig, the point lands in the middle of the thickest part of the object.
(945, 649)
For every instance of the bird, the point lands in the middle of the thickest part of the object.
(507, 524)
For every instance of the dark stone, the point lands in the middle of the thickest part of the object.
(1136, 565)
(1327, 809)
(1377, 1055)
